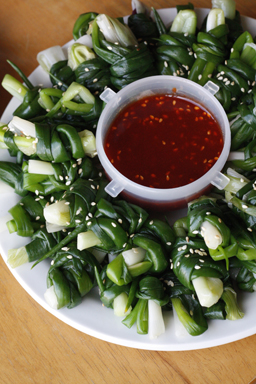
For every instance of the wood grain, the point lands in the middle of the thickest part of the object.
(35, 347)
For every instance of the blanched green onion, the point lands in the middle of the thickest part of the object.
(57, 213)
(248, 54)
(232, 310)
(134, 256)
(17, 257)
(156, 326)
(21, 126)
(78, 53)
(215, 18)
(14, 87)
(119, 305)
(50, 56)
(211, 235)
(40, 167)
(51, 298)
(208, 290)
(76, 89)
(88, 142)
(185, 22)
(116, 32)
(87, 240)
(228, 7)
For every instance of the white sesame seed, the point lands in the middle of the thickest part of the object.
(68, 182)
(52, 262)
(69, 257)
(113, 224)
(197, 267)
(244, 206)
(38, 218)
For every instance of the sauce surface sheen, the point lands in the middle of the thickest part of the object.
(163, 141)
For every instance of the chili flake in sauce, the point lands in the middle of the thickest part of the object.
(164, 141)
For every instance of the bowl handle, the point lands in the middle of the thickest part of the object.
(114, 188)
(220, 180)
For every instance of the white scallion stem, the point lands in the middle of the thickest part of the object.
(134, 256)
(88, 142)
(78, 53)
(50, 56)
(87, 240)
(228, 7)
(14, 87)
(215, 18)
(211, 235)
(208, 290)
(179, 329)
(57, 213)
(17, 257)
(156, 326)
(40, 167)
(21, 126)
(236, 155)
(119, 305)
(52, 228)
(51, 298)
(185, 22)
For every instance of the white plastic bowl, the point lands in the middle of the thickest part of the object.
(153, 198)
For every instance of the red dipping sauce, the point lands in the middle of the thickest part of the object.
(163, 141)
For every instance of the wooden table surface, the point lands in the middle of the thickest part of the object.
(35, 347)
